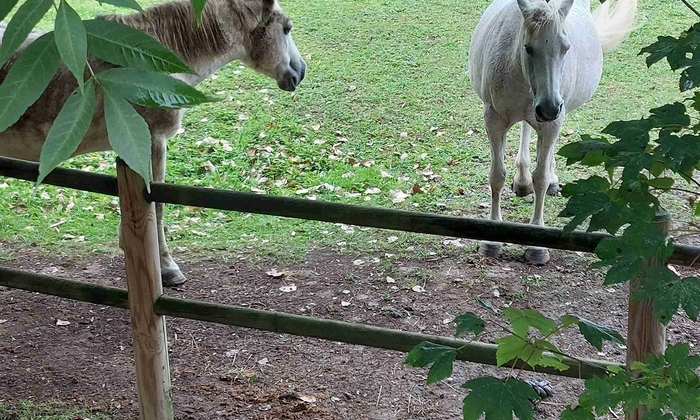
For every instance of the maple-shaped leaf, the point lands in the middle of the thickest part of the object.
(635, 395)
(469, 322)
(670, 291)
(679, 154)
(523, 320)
(629, 254)
(498, 400)
(578, 413)
(679, 52)
(512, 347)
(604, 393)
(670, 117)
(596, 334)
(588, 151)
(657, 414)
(441, 357)
(681, 365)
(569, 320)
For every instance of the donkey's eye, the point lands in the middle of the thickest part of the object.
(287, 30)
(529, 50)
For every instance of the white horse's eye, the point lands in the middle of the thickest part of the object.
(529, 50)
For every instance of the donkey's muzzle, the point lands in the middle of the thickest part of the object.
(292, 77)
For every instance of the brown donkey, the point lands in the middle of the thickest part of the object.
(256, 32)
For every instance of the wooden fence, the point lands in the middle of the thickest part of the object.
(148, 305)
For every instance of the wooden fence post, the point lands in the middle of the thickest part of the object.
(142, 257)
(645, 334)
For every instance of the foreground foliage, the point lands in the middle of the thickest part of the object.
(643, 159)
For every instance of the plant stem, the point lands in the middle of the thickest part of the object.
(690, 6)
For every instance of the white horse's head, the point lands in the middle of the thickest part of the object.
(544, 44)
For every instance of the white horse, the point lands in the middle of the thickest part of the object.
(532, 61)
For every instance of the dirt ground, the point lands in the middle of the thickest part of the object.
(221, 372)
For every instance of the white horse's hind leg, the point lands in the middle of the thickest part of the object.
(522, 182)
(546, 139)
(496, 129)
(554, 187)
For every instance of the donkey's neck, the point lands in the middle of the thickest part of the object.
(205, 48)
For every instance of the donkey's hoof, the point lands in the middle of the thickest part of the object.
(537, 256)
(490, 249)
(522, 190)
(172, 278)
(554, 188)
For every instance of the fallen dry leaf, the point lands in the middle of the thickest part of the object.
(418, 289)
(62, 323)
(289, 288)
(276, 274)
(417, 189)
(398, 196)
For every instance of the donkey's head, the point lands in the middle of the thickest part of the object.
(268, 44)
(544, 44)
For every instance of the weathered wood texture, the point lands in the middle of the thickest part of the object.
(142, 259)
(68, 289)
(645, 334)
(352, 333)
(382, 218)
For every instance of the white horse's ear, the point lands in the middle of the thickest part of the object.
(565, 7)
(524, 5)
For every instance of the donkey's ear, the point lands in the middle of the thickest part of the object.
(267, 6)
(524, 5)
(565, 7)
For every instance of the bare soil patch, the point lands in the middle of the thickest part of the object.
(222, 372)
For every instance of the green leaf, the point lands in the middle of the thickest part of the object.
(125, 46)
(498, 400)
(629, 254)
(129, 4)
(690, 79)
(589, 151)
(672, 116)
(578, 413)
(27, 79)
(681, 366)
(662, 183)
(697, 209)
(513, 347)
(669, 291)
(676, 50)
(6, 7)
(569, 320)
(128, 134)
(604, 393)
(523, 320)
(657, 415)
(198, 8)
(71, 40)
(21, 24)
(442, 358)
(155, 90)
(596, 334)
(469, 322)
(68, 130)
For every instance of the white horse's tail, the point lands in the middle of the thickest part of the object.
(614, 22)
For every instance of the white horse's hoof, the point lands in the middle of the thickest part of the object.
(522, 190)
(490, 249)
(172, 278)
(537, 255)
(553, 189)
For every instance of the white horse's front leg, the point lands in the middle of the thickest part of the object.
(547, 135)
(554, 187)
(496, 128)
(522, 182)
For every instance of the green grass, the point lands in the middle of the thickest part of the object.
(49, 411)
(377, 69)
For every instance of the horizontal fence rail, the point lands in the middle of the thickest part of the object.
(375, 217)
(280, 322)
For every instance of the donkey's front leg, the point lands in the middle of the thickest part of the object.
(170, 272)
(496, 128)
(547, 134)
